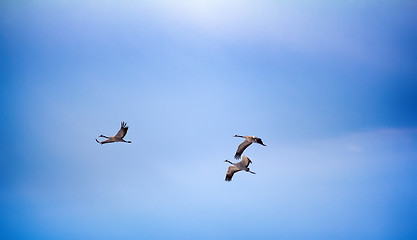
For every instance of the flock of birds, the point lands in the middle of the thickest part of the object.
(236, 167)
(244, 163)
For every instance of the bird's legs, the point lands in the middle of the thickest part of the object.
(250, 171)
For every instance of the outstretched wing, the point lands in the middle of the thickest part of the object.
(230, 171)
(258, 140)
(242, 148)
(122, 132)
(245, 161)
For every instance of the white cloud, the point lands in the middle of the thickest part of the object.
(313, 29)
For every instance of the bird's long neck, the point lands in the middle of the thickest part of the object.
(228, 161)
(239, 136)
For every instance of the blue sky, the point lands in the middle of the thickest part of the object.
(329, 86)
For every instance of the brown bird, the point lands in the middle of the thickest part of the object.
(118, 137)
(248, 141)
(236, 167)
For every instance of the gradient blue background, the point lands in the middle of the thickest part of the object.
(330, 86)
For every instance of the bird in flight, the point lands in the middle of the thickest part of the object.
(118, 137)
(246, 143)
(236, 167)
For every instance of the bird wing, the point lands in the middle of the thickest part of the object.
(242, 148)
(245, 161)
(123, 130)
(258, 140)
(230, 171)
